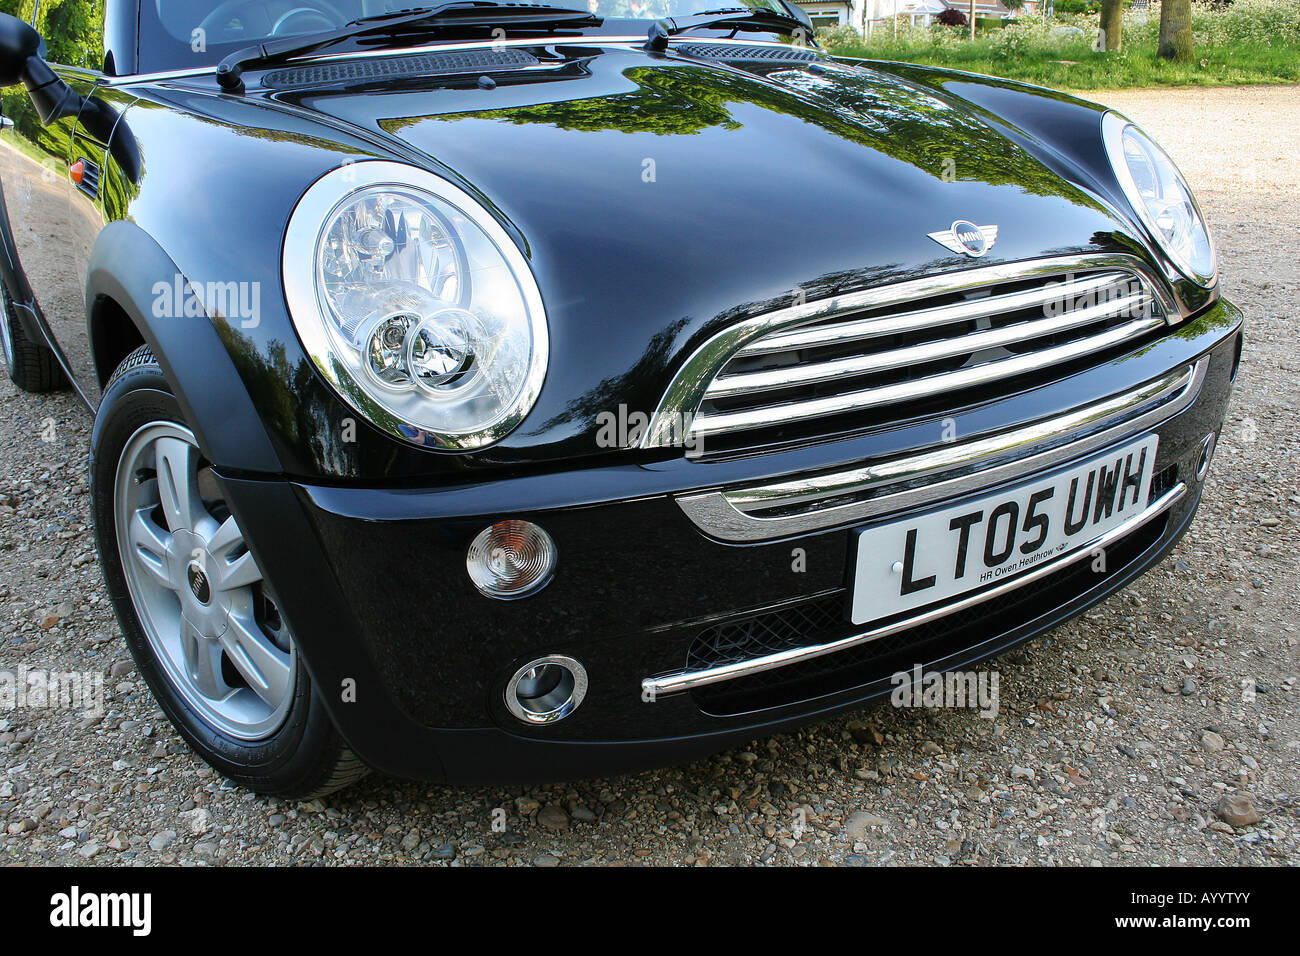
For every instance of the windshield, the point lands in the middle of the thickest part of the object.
(179, 34)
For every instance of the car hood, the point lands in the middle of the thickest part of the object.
(661, 198)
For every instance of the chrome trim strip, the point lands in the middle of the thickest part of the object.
(741, 383)
(929, 318)
(724, 514)
(654, 687)
(684, 394)
(160, 76)
(712, 424)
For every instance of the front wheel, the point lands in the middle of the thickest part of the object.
(202, 623)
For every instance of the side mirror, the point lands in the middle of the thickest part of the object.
(20, 62)
(18, 44)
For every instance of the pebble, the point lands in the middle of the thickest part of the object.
(860, 824)
(1237, 809)
(198, 822)
(553, 817)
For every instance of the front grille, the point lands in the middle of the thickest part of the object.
(930, 352)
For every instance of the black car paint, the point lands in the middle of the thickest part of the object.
(636, 583)
(832, 175)
(644, 267)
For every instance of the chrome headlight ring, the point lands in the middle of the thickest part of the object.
(415, 305)
(1160, 196)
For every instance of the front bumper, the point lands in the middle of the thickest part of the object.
(373, 583)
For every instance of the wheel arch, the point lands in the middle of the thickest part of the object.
(125, 265)
(113, 336)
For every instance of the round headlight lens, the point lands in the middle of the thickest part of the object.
(1157, 191)
(415, 304)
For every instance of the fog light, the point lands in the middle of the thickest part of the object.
(511, 559)
(547, 689)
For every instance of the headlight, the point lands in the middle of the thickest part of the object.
(1159, 194)
(415, 305)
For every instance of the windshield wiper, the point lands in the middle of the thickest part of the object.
(738, 18)
(457, 14)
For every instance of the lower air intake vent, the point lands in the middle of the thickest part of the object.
(744, 53)
(432, 64)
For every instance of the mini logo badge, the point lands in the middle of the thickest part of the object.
(967, 239)
(199, 583)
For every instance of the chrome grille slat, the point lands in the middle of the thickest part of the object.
(841, 333)
(713, 423)
(804, 374)
(804, 503)
(938, 342)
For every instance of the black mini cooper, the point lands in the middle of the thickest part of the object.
(495, 392)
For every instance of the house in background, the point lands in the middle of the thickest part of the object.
(867, 16)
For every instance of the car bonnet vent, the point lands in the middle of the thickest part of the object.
(738, 53)
(432, 64)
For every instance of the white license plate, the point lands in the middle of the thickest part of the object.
(932, 557)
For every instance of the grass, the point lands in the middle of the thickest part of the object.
(1086, 70)
(1232, 49)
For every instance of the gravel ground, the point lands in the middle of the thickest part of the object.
(1119, 737)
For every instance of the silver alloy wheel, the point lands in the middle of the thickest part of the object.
(6, 332)
(196, 589)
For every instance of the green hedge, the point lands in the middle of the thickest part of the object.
(1080, 6)
(73, 29)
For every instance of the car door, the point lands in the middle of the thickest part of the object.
(51, 219)
(34, 180)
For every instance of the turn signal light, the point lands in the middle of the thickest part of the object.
(511, 559)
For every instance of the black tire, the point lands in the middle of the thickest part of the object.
(305, 757)
(32, 366)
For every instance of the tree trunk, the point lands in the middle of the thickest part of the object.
(972, 19)
(1112, 24)
(1176, 30)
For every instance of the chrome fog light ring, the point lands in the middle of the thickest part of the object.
(546, 690)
